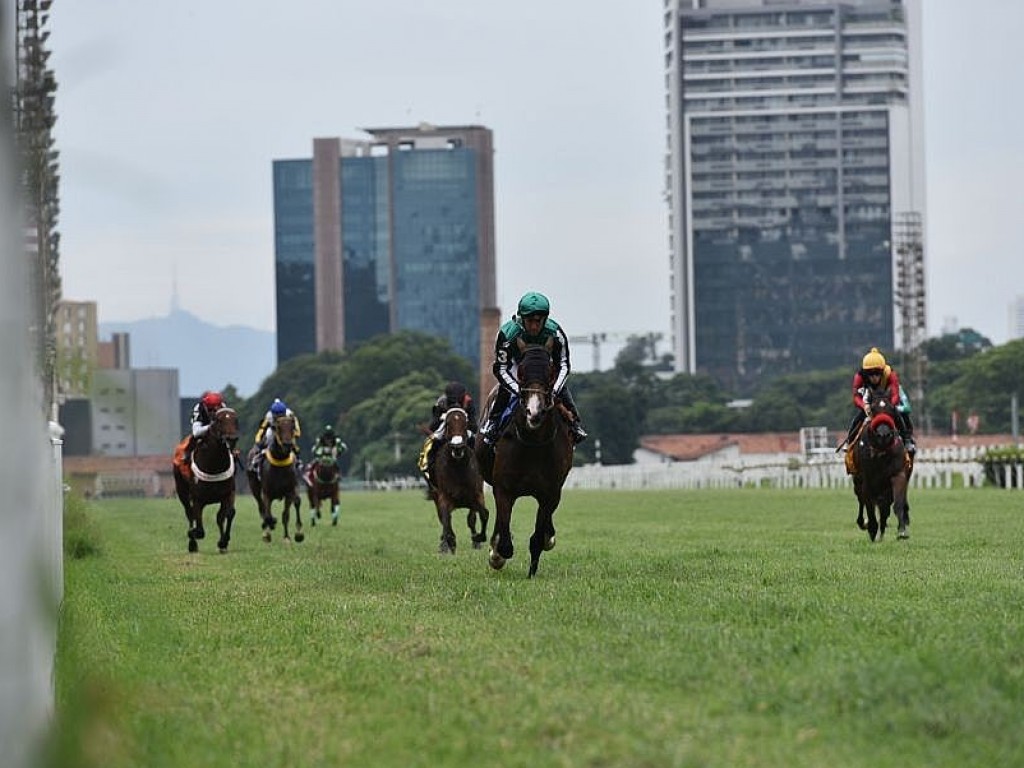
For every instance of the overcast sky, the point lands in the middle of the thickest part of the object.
(171, 113)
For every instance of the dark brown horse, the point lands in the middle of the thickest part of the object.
(457, 483)
(531, 457)
(881, 469)
(277, 479)
(323, 479)
(209, 478)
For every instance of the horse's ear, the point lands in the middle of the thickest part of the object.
(549, 344)
(520, 343)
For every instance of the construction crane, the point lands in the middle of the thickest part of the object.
(612, 337)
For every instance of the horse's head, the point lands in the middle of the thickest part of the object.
(882, 433)
(325, 471)
(224, 426)
(284, 431)
(536, 374)
(455, 425)
(878, 400)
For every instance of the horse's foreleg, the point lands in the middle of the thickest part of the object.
(269, 521)
(543, 538)
(299, 535)
(195, 526)
(899, 495)
(444, 517)
(501, 541)
(478, 512)
(872, 520)
(225, 517)
(335, 507)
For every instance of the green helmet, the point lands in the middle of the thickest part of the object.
(532, 303)
(328, 429)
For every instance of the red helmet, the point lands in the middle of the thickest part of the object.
(212, 400)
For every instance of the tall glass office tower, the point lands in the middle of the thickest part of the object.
(794, 156)
(390, 233)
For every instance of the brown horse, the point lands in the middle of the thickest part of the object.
(323, 479)
(881, 469)
(457, 483)
(531, 457)
(209, 478)
(276, 479)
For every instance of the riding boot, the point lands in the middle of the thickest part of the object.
(851, 432)
(490, 425)
(907, 433)
(579, 434)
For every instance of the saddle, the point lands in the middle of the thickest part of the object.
(184, 467)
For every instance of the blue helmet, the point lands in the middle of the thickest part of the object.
(278, 408)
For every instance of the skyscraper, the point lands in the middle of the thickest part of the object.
(794, 148)
(394, 232)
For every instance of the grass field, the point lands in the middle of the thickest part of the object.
(707, 628)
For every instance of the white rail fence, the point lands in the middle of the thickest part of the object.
(783, 474)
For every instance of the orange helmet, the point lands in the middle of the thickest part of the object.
(873, 360)
(212, 400)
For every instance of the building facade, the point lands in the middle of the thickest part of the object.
(794, 149)
(395, 232)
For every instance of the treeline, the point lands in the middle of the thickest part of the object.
(379, 394)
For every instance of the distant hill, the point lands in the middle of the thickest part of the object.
(207, 356)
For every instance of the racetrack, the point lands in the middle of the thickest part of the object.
(747, 627)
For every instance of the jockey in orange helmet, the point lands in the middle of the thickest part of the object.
(875, 373)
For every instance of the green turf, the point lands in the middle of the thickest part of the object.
(706, 628)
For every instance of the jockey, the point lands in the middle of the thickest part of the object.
(455, 395)
(327, 446)
(265, 432)
(875, 373)
(202, 417)
(533, 325)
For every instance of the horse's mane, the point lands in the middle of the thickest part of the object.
(535, 364)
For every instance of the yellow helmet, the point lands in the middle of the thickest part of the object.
(873, 360)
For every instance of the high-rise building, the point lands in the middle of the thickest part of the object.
(794, 150)
(1016, 318)
(395, 232)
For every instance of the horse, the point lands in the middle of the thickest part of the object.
(457, 483)
(209, 478)
(276, 478)
(322, 481)
(531, 456)
(881, 469)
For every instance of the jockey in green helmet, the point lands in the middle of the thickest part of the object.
(533, 325)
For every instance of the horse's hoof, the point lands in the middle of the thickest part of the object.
(549, 544)
(300, 537)
(496, 561)
(312, 522)
(192, 545)
(222, 550)
(334, 519)
(903, 535)
(861, 524)
(266, 536)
